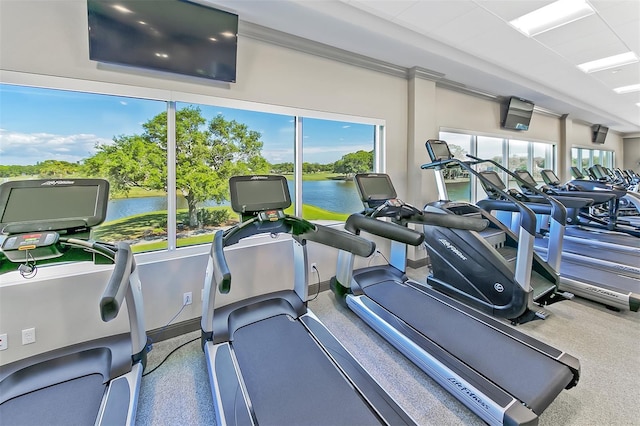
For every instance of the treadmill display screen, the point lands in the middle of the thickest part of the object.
(259, 193)
(550, 177)
(526, 176)
(375, 187)
(493, 177)
(438, 150)
(49, 202)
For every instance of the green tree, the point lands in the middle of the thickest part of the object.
(57, 168)
(207, 155)
(354, 162)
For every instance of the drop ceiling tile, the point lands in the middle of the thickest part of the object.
(589, 49)
(428, 16)
(619, 77)
(618, 12)
(468, 26)
(630, 34)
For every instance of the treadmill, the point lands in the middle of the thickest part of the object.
(623, 257)
(612, 284)
(599, 220)
(499, 373)
(270, 360)
(45, 226)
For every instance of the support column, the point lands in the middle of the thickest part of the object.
(421, 125)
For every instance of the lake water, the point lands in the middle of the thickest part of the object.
(332, 195)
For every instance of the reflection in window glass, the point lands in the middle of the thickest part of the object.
(214, 143)
(48, 133)
(491, 149)
(584, 158)
(332, 153)
(457, 180)
(518, 159)
(542, 159)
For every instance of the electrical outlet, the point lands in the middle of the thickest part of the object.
(28, 336)
(314, 265)
(187, 298)
(4, 344)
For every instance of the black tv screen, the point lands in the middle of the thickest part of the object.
(517, 114)
(51, 204)
(375, 186)
(259, 193)
(173, 36)
(599, 133)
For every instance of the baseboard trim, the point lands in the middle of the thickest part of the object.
(193, 324)
(174, 330)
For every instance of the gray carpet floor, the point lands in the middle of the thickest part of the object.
(607, 343)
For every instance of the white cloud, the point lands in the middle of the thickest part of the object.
(30, 148)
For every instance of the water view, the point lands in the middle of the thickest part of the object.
(332, 195)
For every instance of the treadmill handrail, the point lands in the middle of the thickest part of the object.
(300, 229)
(119, 282)
(116, 289)
(357, 222)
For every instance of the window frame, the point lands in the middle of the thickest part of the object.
(172, 97)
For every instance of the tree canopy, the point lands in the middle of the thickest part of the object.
(354, 162)
(207, 155)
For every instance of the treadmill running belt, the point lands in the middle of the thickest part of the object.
(290, 380)
(526, 374)
(75, 402)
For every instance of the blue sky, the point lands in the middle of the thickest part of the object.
(40, 124)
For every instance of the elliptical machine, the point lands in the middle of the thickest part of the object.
(494, 270)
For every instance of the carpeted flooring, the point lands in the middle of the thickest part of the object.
(607, 343)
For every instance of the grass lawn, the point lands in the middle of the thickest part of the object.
(147, 231)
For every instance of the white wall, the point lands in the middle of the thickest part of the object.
(631, 158)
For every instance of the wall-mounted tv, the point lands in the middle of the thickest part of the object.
(599, 133)
(516, 114)
(174, 36)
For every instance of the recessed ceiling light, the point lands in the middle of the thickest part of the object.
(552, 16)
(627, 89)
(121, 8)
(609, 62)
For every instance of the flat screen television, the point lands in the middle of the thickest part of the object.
(172, 36)
(516, 114)
(599, 133)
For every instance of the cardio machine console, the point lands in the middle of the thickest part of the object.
(34, 213)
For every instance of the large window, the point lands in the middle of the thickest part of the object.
(457, 180)
(53, 134)
(583, 158)
(515, 154)
(333, 152)
(168, 162)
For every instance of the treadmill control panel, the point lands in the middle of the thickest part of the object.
(30, 241)
(32, 246)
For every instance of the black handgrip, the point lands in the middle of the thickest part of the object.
(220, 265)
(116, 289)
(339, 239)
(357, 222)
(450, 221)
